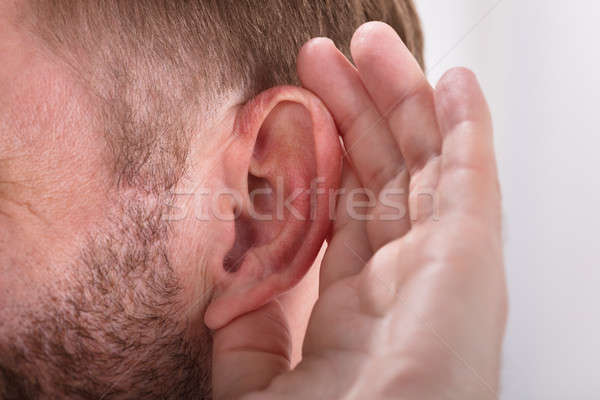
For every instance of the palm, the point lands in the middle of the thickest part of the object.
(407, 282)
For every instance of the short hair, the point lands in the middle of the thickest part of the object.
(155, 65)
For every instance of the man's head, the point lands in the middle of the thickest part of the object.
(132, 134)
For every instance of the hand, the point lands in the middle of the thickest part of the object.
(413, 308)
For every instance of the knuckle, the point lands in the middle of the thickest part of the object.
(379, 176)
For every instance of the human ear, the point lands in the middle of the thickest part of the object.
(284, 164)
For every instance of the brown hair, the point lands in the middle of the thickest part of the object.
(154, 64)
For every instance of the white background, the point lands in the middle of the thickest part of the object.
(539, 64)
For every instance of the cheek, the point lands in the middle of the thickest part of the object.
(32, 268)
(51, 153)
(54, 183)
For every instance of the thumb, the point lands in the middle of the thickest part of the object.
(250, 351)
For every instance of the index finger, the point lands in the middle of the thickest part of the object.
(324, 70)
(400, 91)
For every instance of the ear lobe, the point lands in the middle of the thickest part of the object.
(286, 164)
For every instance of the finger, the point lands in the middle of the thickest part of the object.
(469, 181)
(398, 87)
(349, 247)
(373, 151)
(324, 70)
(390, 219)
(249, 352)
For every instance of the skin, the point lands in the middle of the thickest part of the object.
(406, 309)
(418, 308)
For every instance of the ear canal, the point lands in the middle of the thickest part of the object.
(245, 238)
(262, 197)
(261, 208)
